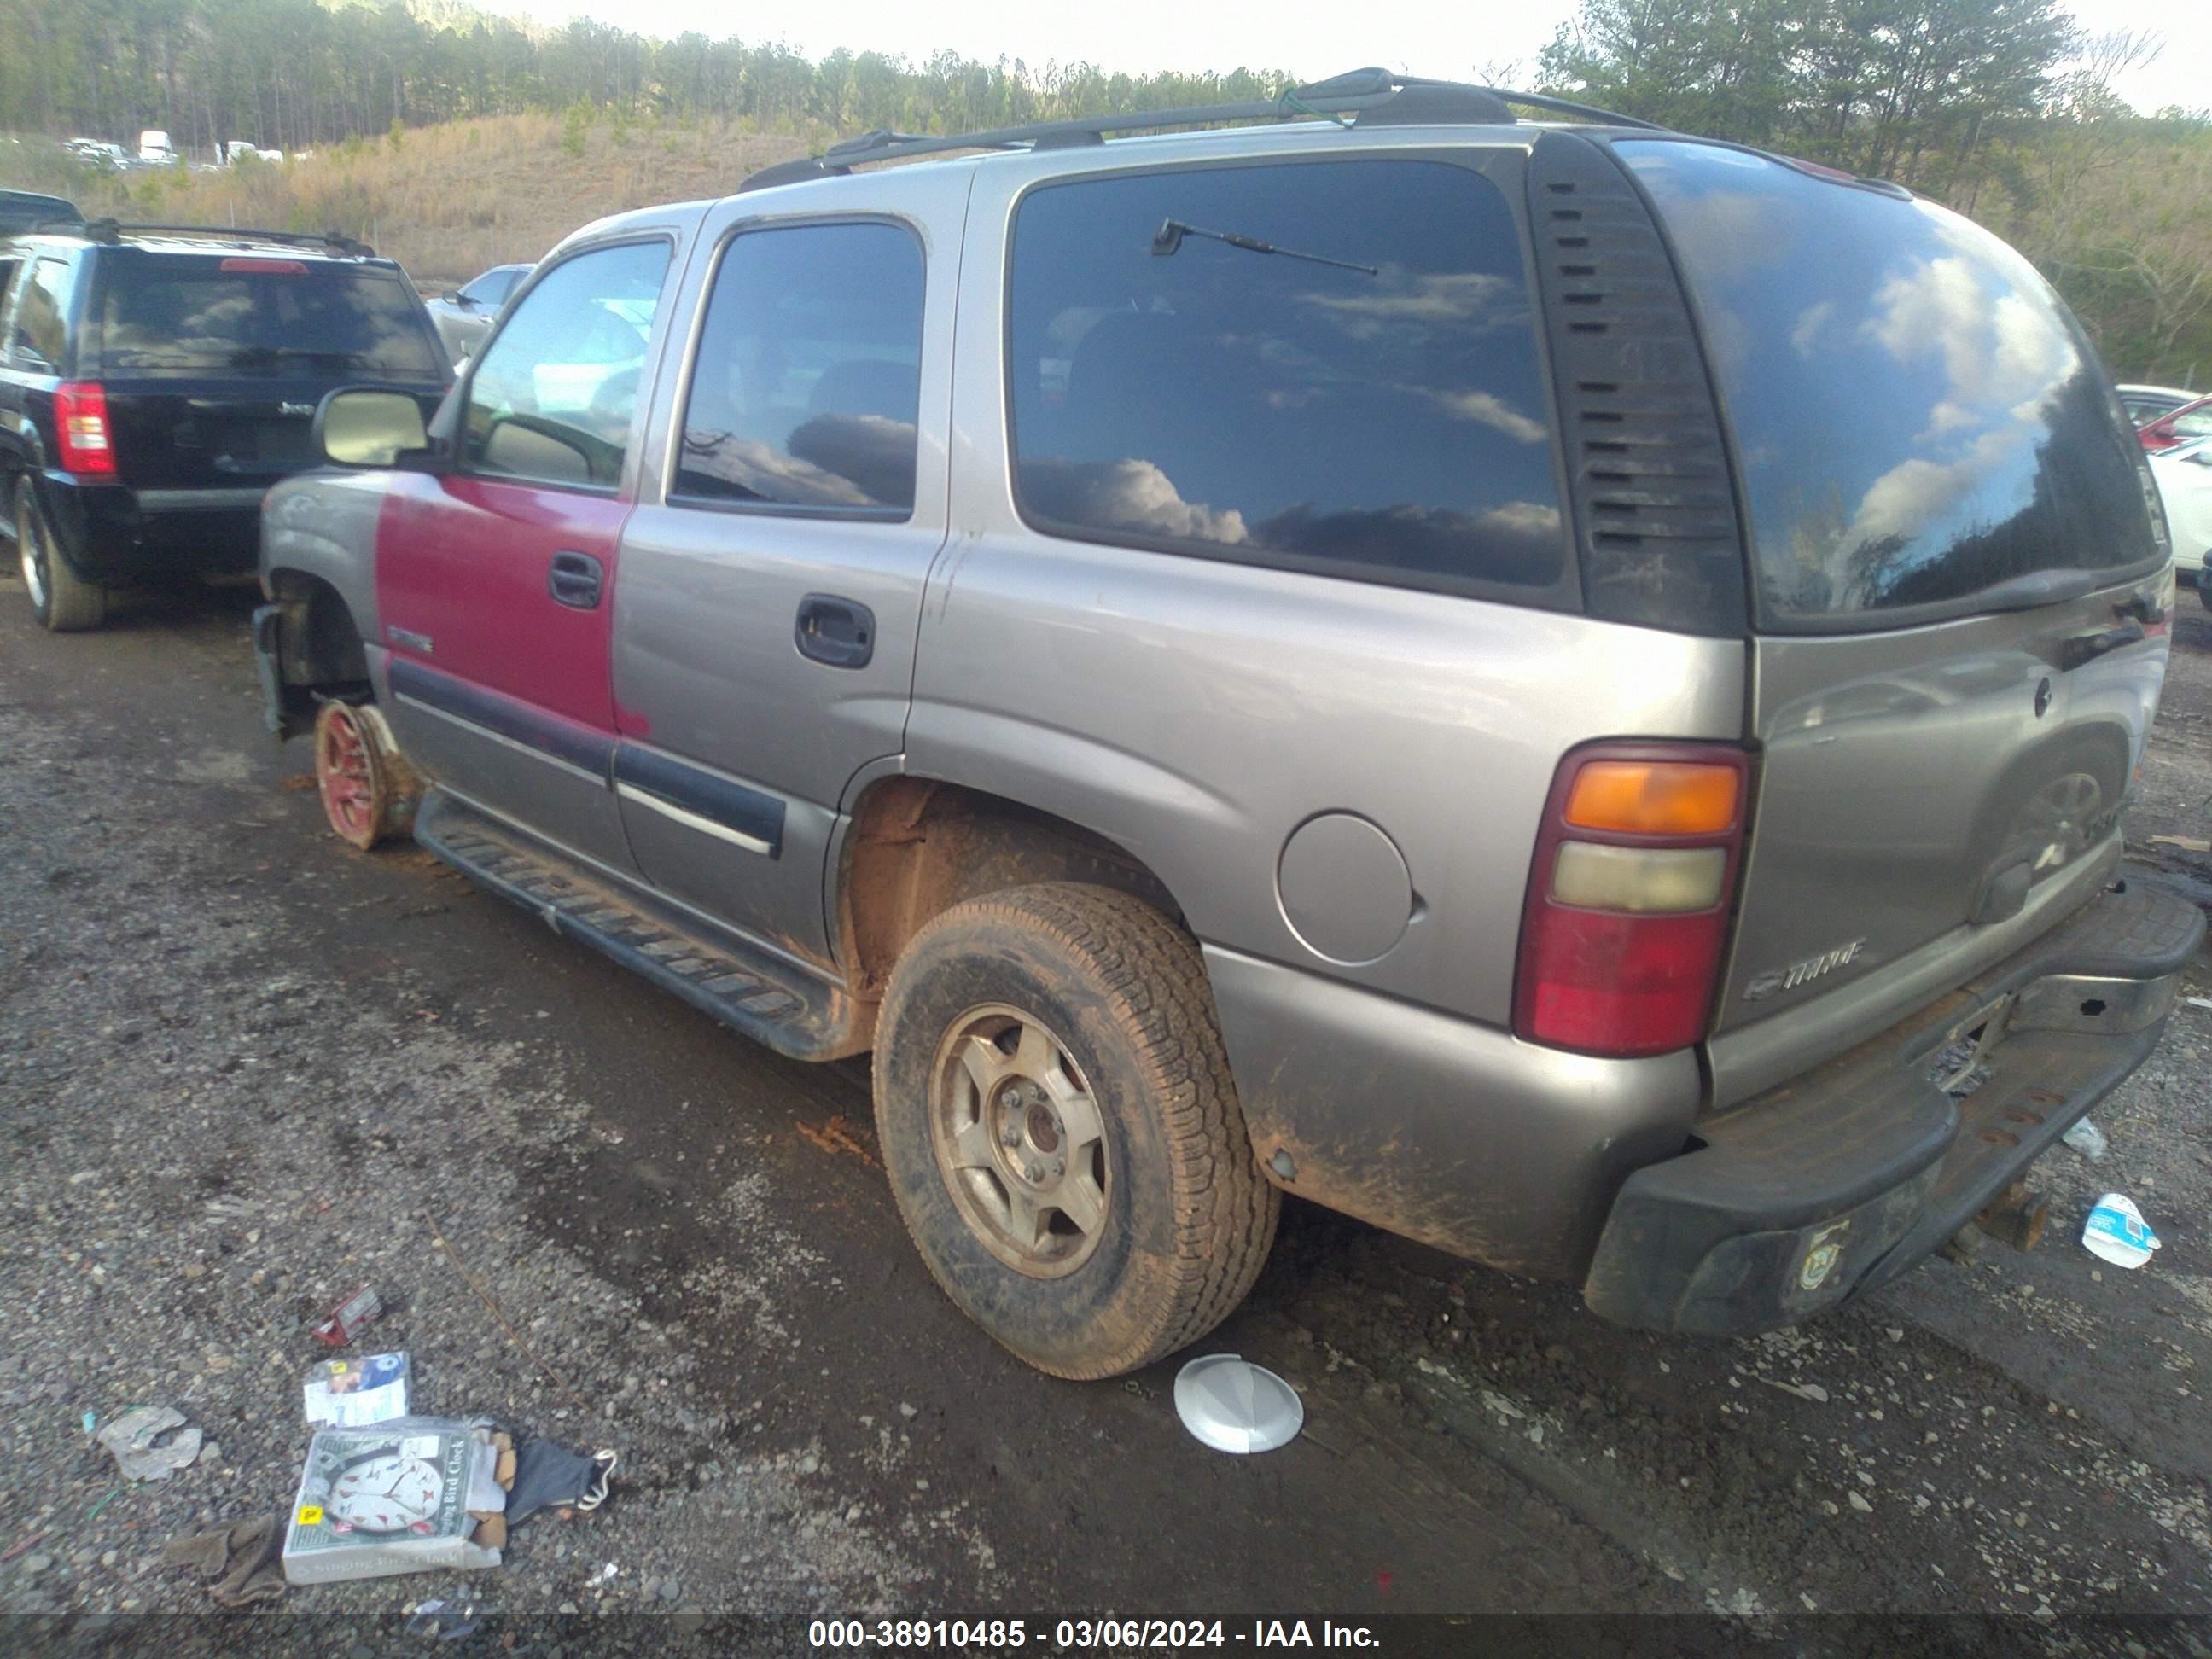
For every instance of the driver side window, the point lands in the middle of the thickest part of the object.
(553, 396)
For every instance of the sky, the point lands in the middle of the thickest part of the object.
(1428, 37)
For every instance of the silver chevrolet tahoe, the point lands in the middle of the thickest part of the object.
(1563, 688)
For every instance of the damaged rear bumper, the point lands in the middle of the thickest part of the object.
(1838, 1182)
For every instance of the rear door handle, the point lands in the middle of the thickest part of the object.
(575, 580)
(839, 632)
(2143, 607)
(2087, 648)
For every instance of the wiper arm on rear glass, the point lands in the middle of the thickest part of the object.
(1172, 231)
(246, 355)
(2037, 587)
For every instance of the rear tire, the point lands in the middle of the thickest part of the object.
(61, 602)
(1056, 1115)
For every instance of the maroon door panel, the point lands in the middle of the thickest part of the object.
(497, 598)
(465, 585)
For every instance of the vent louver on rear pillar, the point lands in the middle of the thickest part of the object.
(1656, 516)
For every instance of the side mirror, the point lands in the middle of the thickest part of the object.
(361, 425)
(2200, 456)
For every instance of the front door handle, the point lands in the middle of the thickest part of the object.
(839, 632)
(575, 580)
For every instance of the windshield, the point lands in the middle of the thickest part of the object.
(190, 314)
(1916, 420)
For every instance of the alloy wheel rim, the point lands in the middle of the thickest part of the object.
(34, 559)
(1020, 1141)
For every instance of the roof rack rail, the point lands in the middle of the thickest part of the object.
(1372, 97)
(113, 230)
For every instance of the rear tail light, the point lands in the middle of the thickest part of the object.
(80, 429)
(1627, 922)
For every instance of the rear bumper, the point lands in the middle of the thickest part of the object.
(1836, 1182)
(112, 533)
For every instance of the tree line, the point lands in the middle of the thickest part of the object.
(1999, 107)
(297, 75)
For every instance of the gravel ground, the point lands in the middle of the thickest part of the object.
(243, 1070)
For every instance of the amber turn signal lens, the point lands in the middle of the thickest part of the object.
(1655, 798)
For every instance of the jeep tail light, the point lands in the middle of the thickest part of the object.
(1629, 898)
(80, 429)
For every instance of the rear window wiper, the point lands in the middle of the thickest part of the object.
(246, 355)
(2036, 588)
(1171, 232)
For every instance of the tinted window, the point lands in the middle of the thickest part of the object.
(553, 395)
(808, 375)
(1915, 418)
(41, 336)
(259, 315)
(1364, 399)
(23, 209)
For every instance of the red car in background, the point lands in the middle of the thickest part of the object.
(2185, 425)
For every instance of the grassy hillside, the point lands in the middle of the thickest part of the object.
(445, 201)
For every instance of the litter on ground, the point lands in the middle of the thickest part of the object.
(2117, 1232)
(149, 1443)
(2087, 1139)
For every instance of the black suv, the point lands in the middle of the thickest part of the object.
(156, 379)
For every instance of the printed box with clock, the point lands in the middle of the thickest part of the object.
(393, 1498)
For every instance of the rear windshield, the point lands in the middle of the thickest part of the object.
(256, 315)
(1915, 417)
(1328, 366)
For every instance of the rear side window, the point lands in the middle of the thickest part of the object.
(256, 315)
(1915, 417)
(808, 376)
(1330, 366)
(39, 337)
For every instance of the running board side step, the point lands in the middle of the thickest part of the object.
(748, 990)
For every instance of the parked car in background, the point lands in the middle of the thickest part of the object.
(2184, 472)
(465, 316)
(156, 380)
(1232, 662)
(2145, 404)
(155, 149)
(2186, 424)
(26, 210)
